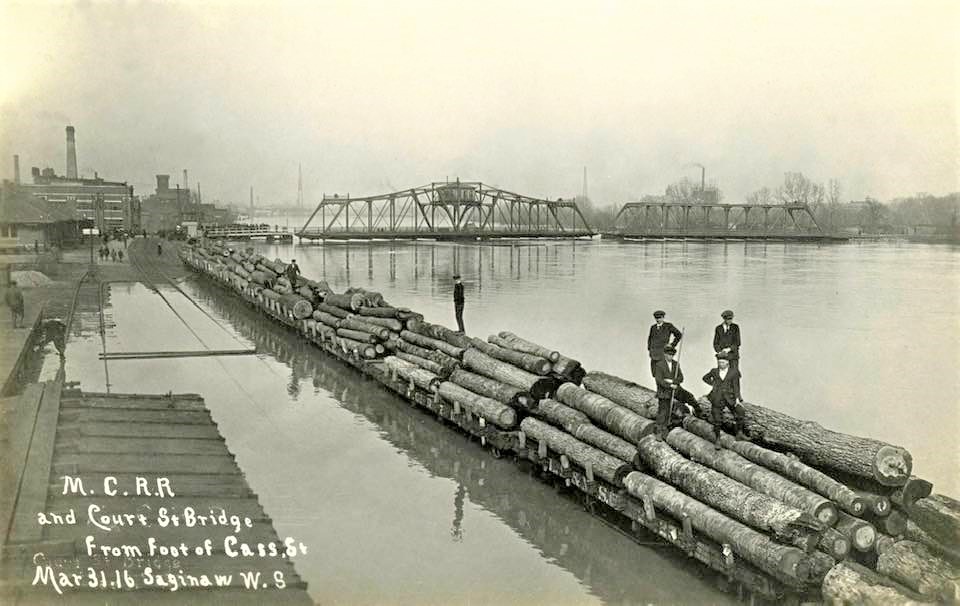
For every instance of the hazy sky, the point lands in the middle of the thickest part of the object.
(372, 97)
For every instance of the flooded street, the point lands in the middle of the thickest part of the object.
(396, 508)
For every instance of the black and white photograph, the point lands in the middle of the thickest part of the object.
(430, 303)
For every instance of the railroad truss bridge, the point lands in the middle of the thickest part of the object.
(457, 210)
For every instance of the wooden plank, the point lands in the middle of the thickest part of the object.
(184, 417)
(126, 403)
(184, 485)
(148, 355)
(79, 463)
(36, 473)
(20, 429)
(96, 444)
(248, 506)
(142, 396)
(122, 429)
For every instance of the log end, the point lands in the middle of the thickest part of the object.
(840, 547)
(857, 506)
(826, 513)
(892, 465)
(864, 537)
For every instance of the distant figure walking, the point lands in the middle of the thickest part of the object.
(458, 301)
(292, 272)
(662, 333)
(113, 255)
(159, 249)
(669, 393)
(120, 255)
(726, 339)
(14, 300)
(724, 382)
(54, 330)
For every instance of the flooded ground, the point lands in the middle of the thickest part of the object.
(398, 509)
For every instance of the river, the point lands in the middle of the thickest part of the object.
(395, 508)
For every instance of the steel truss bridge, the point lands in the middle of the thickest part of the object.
(660, 220)
(445, 211)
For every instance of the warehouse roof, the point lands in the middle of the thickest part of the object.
(20, 207)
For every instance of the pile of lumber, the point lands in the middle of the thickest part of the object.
(809, 506)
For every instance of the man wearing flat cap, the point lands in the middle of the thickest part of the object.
(672, 400)
(662, 333)
(726, 339)
(458, 301)
(724, 382)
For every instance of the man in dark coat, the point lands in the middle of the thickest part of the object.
(458, 301)
(726, 339)
(14, 300)
(662, 333)
(724, 382)
(672, 399)
(292, 272)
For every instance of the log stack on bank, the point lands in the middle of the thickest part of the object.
(819, 511)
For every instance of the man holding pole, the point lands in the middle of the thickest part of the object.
(669, 377)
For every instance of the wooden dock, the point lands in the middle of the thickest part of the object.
(133, 446)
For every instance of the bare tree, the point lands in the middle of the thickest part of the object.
(764, 195)
(798, 189)
(683, 191)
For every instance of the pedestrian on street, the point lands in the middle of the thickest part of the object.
(113, 255)
(662, 333)
(672, 399)
(724, 382)
(159, 249)
(458, 301)
(14, 300)
(120, 255)
(726, 339)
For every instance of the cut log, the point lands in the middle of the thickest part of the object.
(781, 561)
(834, 544)
(878, 505)
(391, 324)
(939, 516)
(431, 343)
(370, 298)
(416, 324)
(562, 415)
(357, 335)
(751, 507)
(569, 369)
(850, 583)
(786, 465)
(446, 362)
(528, 362)
(861, 533)
(605, 466)
(607, 442)
(307, 293)
(379, 312)
(423, 363)
(494, 412)
(333, 310)
(261, 278)
(365, 350)
(913, 565)
(948, 552)
(893, 524)
(271, 294)
(615, 419)
(883, 543)
(352, 302)
(755, 476)
(915, 489)
(356, 323)
(327, 319)
(537, 387)
(298, 306)
(514, 342)
(887, 464)
(420, 377)
(501, 392)
(639, 399)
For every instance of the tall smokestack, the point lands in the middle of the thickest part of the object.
(71, 154)
(16, 169)
(185, 184)
(251, 197)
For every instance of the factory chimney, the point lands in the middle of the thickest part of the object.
(185, 184)
(71, 154)
(16, 169)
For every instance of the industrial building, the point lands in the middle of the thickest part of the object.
(167, 208)
(107, 206)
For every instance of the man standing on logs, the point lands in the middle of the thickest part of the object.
(724, 382)
(292, 272)
(458, 301)
(662, 333)
(669, 393)
(726, 339)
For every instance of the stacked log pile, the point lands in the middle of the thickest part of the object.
(809, 506)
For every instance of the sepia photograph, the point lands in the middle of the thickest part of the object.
(418, 302)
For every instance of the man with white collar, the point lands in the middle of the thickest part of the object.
(724, 382)
(726, 339)
(662, 333)
(672, 399)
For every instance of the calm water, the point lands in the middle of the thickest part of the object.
(397, 509)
